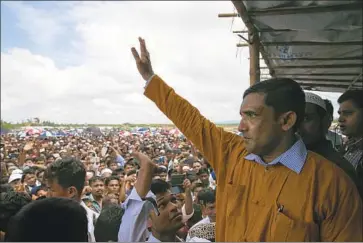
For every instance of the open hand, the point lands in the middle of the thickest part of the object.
(143, 62)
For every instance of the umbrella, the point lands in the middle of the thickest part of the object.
(46, 134)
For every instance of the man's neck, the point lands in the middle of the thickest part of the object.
(97, 198)
(170, 237)
(285, 144)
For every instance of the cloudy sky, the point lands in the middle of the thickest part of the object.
(71, 61)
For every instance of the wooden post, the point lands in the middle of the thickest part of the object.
(254, 49)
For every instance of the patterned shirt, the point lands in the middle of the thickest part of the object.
(354, 152)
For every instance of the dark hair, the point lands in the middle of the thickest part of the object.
(68, 172)
(203, 171)
(196, 185)
(111, 178)
(354, 95)
(94, 179)
(159, 186)
(108, 223)
(283, 95)
(29, 171)
(118, 170)
(207, 196)
(11, 202)
(131, 172)
(40, 171)
(60, 219)
(329, 108)
(130, 162)
(160, 170)
(4, 179)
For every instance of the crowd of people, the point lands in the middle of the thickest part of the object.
(284, 178)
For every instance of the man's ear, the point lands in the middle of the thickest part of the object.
(287, 120)
(72, 192)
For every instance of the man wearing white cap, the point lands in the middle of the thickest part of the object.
(313, 131)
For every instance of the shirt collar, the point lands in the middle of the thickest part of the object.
(294, 158)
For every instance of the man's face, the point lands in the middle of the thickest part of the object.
(40, 162)
(311, 129)
(102, 166)
(50, 160)
(170, 218)
(261, 131)
(128, 168)
(196, 166)
(204, 178)
(162, 176)
(98, 188)
(29, 163)
(350, 119)
(114, 186)
(30, 179)
(209, 210)
(113, 166)
(197, 190)
(56, 190)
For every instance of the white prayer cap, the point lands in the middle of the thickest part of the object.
(314, 99)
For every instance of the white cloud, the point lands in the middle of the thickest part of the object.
(191, 48)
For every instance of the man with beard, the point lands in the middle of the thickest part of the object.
(351, 125)
(262, 170)
(313, 131)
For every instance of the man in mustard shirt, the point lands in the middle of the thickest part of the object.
(270, 188)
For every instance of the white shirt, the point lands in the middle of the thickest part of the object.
(133, 227)
(91, 217)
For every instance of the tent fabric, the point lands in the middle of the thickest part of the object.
(317, 43)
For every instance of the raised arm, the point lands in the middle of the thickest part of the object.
(212, 141)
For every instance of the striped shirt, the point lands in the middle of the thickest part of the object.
(294, 158)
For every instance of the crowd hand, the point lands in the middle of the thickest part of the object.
(143, 62)
(187, 185)
(86, 189)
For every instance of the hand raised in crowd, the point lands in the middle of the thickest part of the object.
(187, 185)
(143, 62)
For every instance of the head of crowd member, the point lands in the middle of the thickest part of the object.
(271, 113)
(61, 219)
(169, 220)
(161, 172)
(112, 164)
(29, 177)
(108, 223)
(330, 111)
(111, 198)
(169, 155)
(207, 200)
(113, 184)
(50, 159)
(132, 174)
(120, 173)
(102, 166)
(351, 113)
(89, 175)
(197, 166)
(39, 192)
(40, 161)
(40, 176)
(106, 172)
(314, 127)
(10, 204)
(98, 186)
(129, 165)
(66, 178)
(197, 187)
(28, 162)
(15, 179)
(203, 175)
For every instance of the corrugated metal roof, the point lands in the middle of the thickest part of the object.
(317, 43)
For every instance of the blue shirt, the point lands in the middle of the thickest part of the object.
(294, 158)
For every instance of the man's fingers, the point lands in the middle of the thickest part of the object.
(135, 54)
(142, 46)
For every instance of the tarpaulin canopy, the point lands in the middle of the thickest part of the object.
(317, 43)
